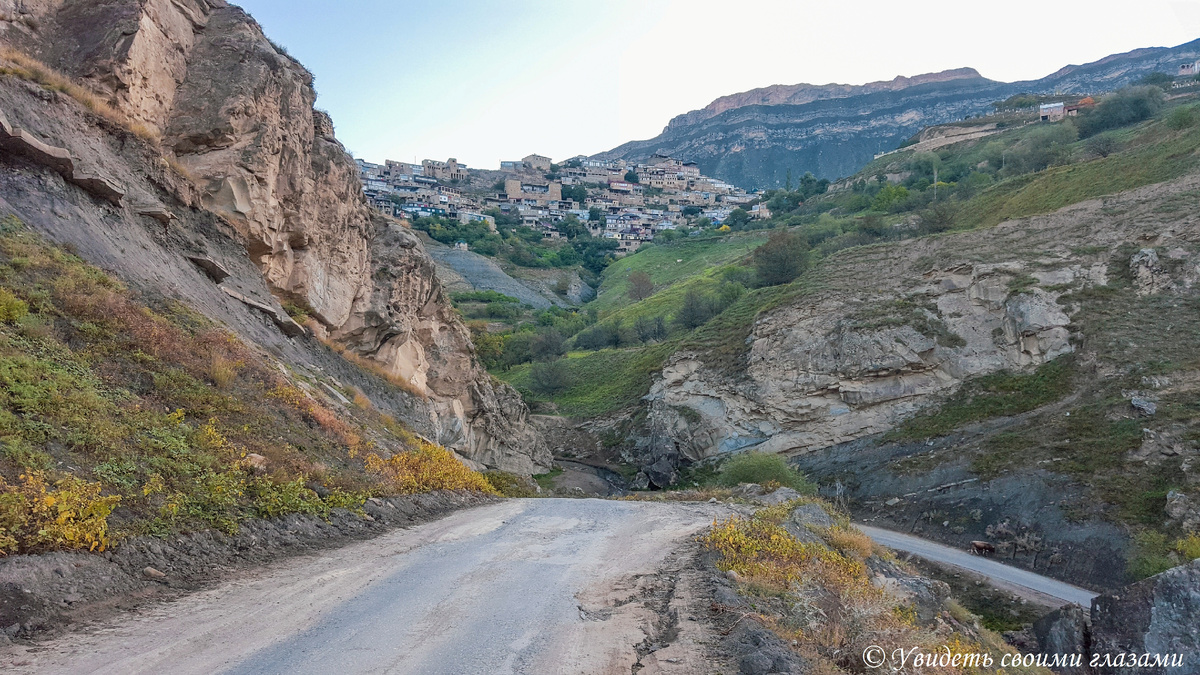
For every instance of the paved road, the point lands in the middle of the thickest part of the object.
(521, 586)
(987, 567)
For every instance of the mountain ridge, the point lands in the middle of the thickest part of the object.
(755, 145)
(779, 94)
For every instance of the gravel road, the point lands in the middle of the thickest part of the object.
(998, 572)
(521, 586)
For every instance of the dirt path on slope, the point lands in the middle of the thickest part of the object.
(521, 586)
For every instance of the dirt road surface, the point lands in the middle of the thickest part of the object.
(521, 586)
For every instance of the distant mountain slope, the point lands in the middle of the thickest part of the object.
(796, 94)
(754, 138)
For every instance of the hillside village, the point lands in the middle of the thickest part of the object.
(625, 201)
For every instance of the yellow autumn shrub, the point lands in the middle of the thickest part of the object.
(424, 468)
(1189, 546)
(764, 551)
(70, 514)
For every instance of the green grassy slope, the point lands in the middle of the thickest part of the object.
(1148, 152)
(119, 419)
(668, 264)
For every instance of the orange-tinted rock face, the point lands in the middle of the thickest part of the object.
(238, 115)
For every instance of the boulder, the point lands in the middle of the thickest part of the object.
(927, 597)
(747, 490)
(811, 515)
(661, 473)
(286, 324)
(1158, 615)
(1144, 406)
(804, 519)
(1148, 274)
(101, 187)
(215, 270)
(778, 496)
(1183, 510)
(1063, 631)
(256, 462)
(22, 142)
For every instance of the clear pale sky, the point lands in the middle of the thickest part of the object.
(485, 81)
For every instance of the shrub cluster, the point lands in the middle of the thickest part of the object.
(761, 468)
(425, 468)
(68, 514)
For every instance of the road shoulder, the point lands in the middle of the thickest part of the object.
(42, 595)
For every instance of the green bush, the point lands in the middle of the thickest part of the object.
(761, 467)
(549, 377)
(272, 499)
(1125, 107)
(1149, 555)
(782, 259)
(12, 308)
(509, 484)
(1183, 117)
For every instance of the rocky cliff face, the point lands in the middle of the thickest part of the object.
(237, 115)
(831, 369)
(753, 139)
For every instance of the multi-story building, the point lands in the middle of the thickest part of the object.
(537, 162)
(540, 192)
(449, 170)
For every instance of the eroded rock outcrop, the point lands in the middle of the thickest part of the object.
(237, 115)
(827, 370)
(1147, 628)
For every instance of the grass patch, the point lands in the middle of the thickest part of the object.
(1156, 153)
(995, 395)
(546, 480)
(671, 263)
(601, 381)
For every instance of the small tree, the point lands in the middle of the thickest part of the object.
(780, 260)
(640, 285)
(631, 176)
(738, 218)
(1102, 145)
(938, 218)
(650, 330)
(517, 350)
(696, 310)
(1161, 80)
(547, 344)
(549, 377)
(643, 327)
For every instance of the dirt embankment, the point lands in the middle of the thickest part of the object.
(42, 593)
